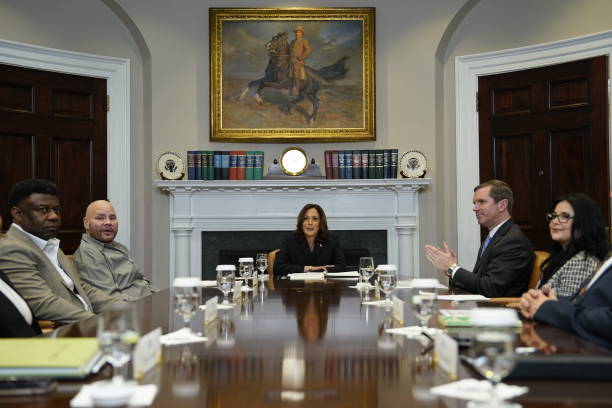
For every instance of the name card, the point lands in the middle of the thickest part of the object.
(237, 291)
(210, 313)
(446, 352)
(376, 290)
(398, 309)
(147, 352)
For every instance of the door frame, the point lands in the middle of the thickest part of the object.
(116, 71)
(467, 70)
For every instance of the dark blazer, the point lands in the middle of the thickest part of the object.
(13, 324)
(294, 254)
(504, 268)
(589, 316)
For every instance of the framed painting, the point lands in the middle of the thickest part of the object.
(292, 74)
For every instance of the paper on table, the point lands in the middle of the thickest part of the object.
(413, 331)
(362, 286)
(181, 336)
(307, 276)
(219, 306)
(406, 284)
(142, 396)
(460, 298)
(208, 283)
(477, 390)
(380, 303)
(348, 274)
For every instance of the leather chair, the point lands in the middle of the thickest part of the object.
(536, 274)
(271, 259)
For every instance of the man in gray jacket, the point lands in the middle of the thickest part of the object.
(105, 263)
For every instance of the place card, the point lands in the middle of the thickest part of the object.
(446, 353)
(147, 352)
(376, 290)
(210, 313)
(397, 309)
(237, 291)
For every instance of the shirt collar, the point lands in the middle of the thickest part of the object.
(493, 230)
(98, 244)
(39, 242)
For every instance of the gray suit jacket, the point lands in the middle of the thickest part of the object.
(39, 283)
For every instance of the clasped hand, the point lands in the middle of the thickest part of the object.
(533, 299)
(322, 268)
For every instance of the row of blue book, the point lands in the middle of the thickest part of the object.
(225, 165)
(361, 164)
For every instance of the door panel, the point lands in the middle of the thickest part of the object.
(545, 132)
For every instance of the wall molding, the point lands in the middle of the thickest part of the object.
(116, 71)
(467, 70)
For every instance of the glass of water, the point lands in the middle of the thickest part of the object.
(493, 350)
(366, 269)
(187, 301)
(226, 274)
(387, 280)
(246, 269)
(424, 306)
(118, 334)
(261, 263)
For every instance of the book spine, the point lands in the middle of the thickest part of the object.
(341, 164)
(387, 163)
(218, 166)
(211, 165)
(348, 161)
(258, 169)
(364, 164)
(233, 165)
(335, 174)
(250, 164)
(191, 165)
(356, 164)
(394, 163)
(204, 158)
(379, 172)
(225, 165)
(241, 165)
(198, 165)
(371, 164)
(328, 164)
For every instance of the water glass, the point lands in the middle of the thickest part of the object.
(226, 274)
(261, 263)
(246, 270)
(424, 306)
(117, 334)
(187, 300)
(387, 280)
(366, 268)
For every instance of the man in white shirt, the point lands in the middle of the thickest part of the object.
(505, 259)
(31, 258)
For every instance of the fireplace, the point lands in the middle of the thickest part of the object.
(232, 207)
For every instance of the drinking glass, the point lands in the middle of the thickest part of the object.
(245, 268)
(118, 334)
(366, 268)
(493, 350)
(226, 274)
(187, 301)
(387, 280)
(261, 262)
(424, 306)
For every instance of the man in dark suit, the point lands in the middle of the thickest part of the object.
(16, 317)
(505, 259)
(588, 314)
(37, 268)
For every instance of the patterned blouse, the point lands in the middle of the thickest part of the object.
(567, 279)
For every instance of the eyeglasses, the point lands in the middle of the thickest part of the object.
(563, 217)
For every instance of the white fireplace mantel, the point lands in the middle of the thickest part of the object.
(273, 205)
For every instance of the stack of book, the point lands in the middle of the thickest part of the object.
(224, 165)
(361, 164)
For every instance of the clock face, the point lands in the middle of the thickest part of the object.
(293, 161)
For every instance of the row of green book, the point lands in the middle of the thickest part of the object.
(224, 165)
(361, 164)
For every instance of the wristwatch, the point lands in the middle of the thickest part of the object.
(451, 270)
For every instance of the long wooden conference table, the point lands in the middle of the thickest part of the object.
(295, 343)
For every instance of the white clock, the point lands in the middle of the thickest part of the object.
(293, 161)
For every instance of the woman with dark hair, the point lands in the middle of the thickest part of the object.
(580, 243)
(311, 247)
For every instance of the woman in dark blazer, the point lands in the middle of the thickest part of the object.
(311, 248)
(13, 321)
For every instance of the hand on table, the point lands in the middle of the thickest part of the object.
(322, 268)
(533, 299)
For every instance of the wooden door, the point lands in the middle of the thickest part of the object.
(53, 126)
(545, 132)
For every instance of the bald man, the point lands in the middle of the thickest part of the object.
(104, 263)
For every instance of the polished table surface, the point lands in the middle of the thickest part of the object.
(294, 343)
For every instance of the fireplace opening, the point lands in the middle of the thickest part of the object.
(226, 247)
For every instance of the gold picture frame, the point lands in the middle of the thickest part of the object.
(262, 90)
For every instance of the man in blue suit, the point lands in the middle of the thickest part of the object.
(588, 314)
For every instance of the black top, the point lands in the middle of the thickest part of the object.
(294, 254)
(13, 324)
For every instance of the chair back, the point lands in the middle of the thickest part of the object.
(536, 272)
(271, 259)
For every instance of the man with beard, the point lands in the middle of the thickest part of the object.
(105, 263)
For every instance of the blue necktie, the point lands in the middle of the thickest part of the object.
(486, 243)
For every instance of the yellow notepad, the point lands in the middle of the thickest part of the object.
(44, 357)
